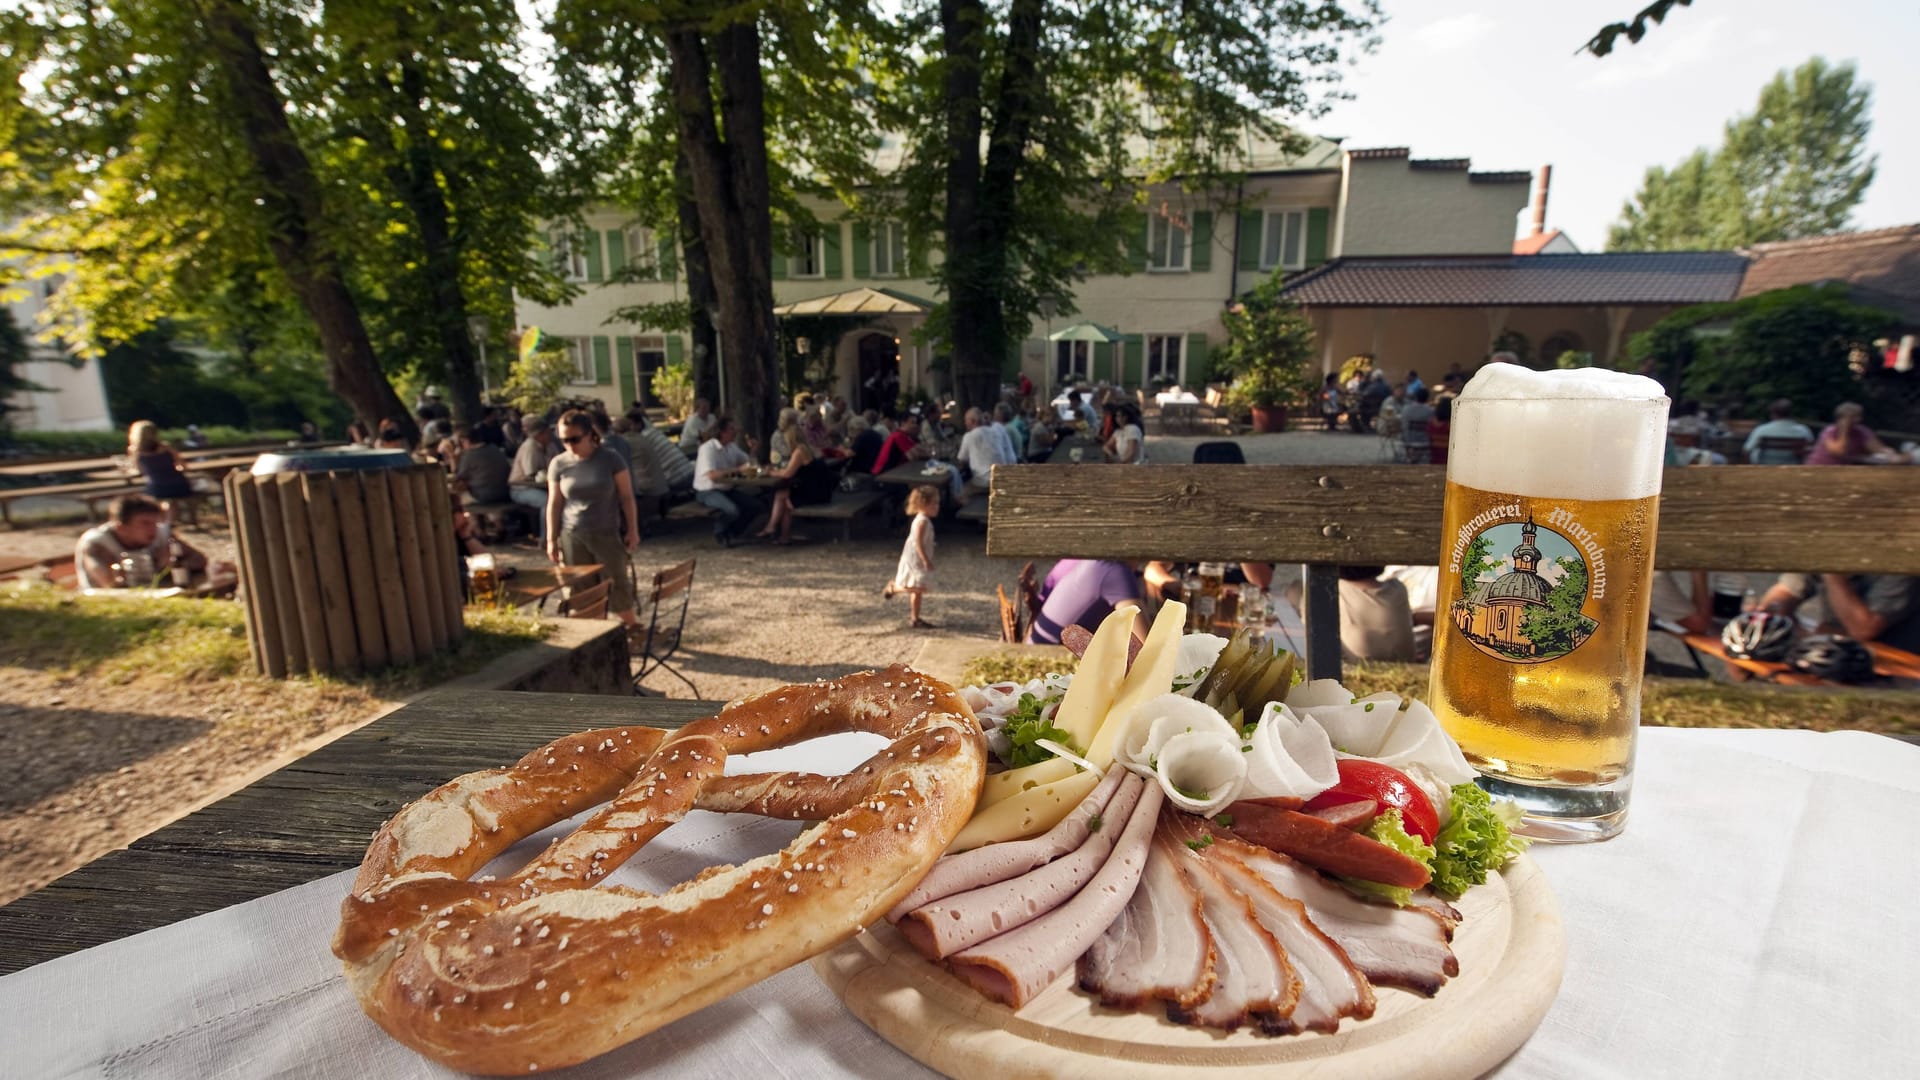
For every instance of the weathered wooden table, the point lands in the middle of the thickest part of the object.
(308, 820)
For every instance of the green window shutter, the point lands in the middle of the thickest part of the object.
(1249, 239)
(917, 264)
(623, 351)
(666, 257)
(1201, 257)
(830, 235)
(1137, 241)
(596, 269)
(1317, 235)
(616, 251)
(1103, 361)
(602, 361)
(779, 265)
(1134, 351)
(862, 250)
(1199, 360)
(674, 349)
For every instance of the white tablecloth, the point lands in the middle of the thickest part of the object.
(1747, 924)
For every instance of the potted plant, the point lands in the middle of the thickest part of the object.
(1269, 347)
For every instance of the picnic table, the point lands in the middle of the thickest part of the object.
(1737, 887)
(914, 473)
(1888, 662)
(530, 586)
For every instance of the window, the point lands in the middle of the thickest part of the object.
(1073, 361)
(809, 259)
(1286, 240)
(1166, 243)
(580, 351)
(889, 249)
(649, 356)
(640, 252)
(1166, 358)
(570, 255)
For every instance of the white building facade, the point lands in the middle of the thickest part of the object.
(1193, 257)
(74, 397)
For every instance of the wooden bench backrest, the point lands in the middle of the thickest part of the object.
(1854, 519)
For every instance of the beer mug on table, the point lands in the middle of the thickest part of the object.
(1546, 568)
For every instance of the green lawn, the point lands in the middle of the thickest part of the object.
(1664, 702)
(117, 639)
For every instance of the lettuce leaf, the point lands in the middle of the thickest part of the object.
(1389, 829)
(1477, 839)
(1030, 721)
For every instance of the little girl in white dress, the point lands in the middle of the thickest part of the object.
(916, 558)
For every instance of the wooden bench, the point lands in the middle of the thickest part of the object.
(1888, 662)
(494, 516)
(845, 507)
(91, 494)
(1788, 517)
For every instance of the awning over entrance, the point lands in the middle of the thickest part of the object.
(858, 302)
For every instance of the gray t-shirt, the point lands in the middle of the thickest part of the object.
(485, 469)
(1893, 597)
(100, 547)
(1416, 416)
(593, 497)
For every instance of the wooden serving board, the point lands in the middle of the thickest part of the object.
(1511, 951)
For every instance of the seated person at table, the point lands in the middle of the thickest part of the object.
(391, 437)
(1001, 423)
(1780, 425)
(1413, 428)
(863, 446)
(1376, 620)
(482, 470)
(136, 525)
(697, 426)
(1865, 607)
(163, 468)
(1083, 592)
(901, 447)
(1040, 440)
(671, 470)
(981, 450)
(714, 469)
(1127, 443)
(1846, 441)
(527, 483)
(1019, 431)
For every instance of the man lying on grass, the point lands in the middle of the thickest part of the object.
(134, 548)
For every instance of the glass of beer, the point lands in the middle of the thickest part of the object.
(1546, 567)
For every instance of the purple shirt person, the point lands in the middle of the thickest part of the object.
(1082, 592)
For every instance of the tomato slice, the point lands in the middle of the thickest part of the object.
(1392, 789)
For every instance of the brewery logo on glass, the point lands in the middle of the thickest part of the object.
(1524, 586)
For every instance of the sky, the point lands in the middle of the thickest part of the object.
(1498, 81)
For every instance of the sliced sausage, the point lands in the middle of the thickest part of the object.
(1324, 845)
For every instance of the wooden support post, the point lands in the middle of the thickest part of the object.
(419, 490)
(363, 587)
(378, 493)
(453, 592)
(406, 536)
(278, 577)
(298, 556)
(1322, 603)
(330, 567)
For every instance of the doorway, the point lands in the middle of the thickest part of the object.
(879, 373)
(649, 356)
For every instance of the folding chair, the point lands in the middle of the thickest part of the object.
(1029, 599)
(1009, 616)
(1219, 453)
(664, 625)
(587, 603)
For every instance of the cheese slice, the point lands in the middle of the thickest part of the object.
(1005, 785)
(1097, 681)
(1028, 813)
(1150, 677)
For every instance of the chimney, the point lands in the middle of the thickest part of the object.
(1540, 200)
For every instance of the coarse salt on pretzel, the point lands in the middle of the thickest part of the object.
(540, 969)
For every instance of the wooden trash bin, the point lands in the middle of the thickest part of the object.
(345, 569)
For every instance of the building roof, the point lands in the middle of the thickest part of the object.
(1880, 267)
(1665, 277)
(1531, 245)
(861, 301)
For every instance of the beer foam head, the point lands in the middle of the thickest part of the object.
(1586, 433)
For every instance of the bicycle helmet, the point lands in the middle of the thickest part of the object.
(1758, 635)
(1830, 656)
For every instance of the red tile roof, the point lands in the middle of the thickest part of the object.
(1666, 277)
(1531, 245)
(1881, 267)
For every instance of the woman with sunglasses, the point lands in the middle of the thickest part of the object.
(590, 512)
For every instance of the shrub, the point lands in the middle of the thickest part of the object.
(673, 388)
(1269, 345)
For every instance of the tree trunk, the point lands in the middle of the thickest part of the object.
(700, 293)
(981, 198)
(419, 181)
(292, 199)
(730, 188)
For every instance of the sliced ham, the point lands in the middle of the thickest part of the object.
(1392, 946)
(1000, 862)
(1252, 980)
(1014, 966)
(1159, 947)
(952, 923)
(1331, 988)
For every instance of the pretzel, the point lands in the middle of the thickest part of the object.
(540, 969)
